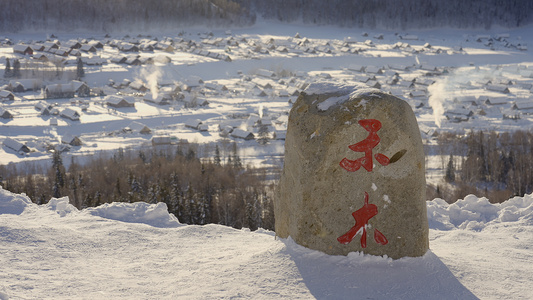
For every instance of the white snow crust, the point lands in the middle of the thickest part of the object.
(140, 251)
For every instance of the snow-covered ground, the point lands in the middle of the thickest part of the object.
(139, 251)
(452, 78)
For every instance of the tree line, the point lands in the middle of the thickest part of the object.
(144, 15)
(216, 190)
(400, 14)
(118, 15)
(495, 165)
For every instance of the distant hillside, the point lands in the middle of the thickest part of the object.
(139, 15)
(399, 13)
(118, 15)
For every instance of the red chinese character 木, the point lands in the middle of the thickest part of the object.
(362, 216)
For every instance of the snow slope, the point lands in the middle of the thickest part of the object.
(139, 251)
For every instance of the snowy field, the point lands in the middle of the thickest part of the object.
(139, 251)
(455, 80)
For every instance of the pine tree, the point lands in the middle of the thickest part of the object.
(16, 68)
(7, 72)
(263, 134)
(59, 182)
(79, 69)
(73, 190)
(153, 192)
(176, 196)
(217, 156)
(267, 218)
(189, 206)
(142, 156)
(253, 211)
(190, 154)
(97, 199)
(450, 171)
(118, 191)
(236, 159)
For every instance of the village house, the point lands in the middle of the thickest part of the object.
(525, 104)
(44, 108)
(356, 68)
(373, 70)
(72, 44)
(417, 94)
(67, 90)
(16, 87)
(405, 84)
(22, 85)
(138, 86)
(16, 146)
(496, 100)
(119, 101)
(466, 100)
(193, 81)
(88, 48)
(174, 92)
(53, 122)
(161, 99)
(167, 47)
(128, 47)
(6, 95)
(75, 52)
(118, 59)
(193, 123)
(137, 127)
(162, 140)
(71, 140)
(263, 83)
(497, 88)
(146, 47)
(41, 57)
(133, 60)
(62, 51)
(22, 49)
(5, 114)
(37, 47)
(70, 114)
(51, 45)
(265, 73)
(96, 44)
(242, 134)
(409, 37)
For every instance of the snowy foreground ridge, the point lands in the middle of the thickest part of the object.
(140, 251)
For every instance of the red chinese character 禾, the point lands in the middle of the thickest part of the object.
(366, 146)
(362, 216)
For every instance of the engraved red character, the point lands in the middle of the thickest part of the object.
(366, 146)
(362, 216)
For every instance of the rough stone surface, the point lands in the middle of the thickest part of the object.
(318, 194)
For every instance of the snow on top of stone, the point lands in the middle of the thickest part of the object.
(344, 92)
(327, 87)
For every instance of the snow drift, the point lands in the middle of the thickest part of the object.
(140, 212)
(471, 213)
(476, 213)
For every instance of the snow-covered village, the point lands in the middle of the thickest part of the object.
(145, 161)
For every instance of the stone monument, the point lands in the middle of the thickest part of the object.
(354, 174)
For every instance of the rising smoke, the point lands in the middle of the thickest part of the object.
(151, 75)
(437, 99)
(461, 82)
